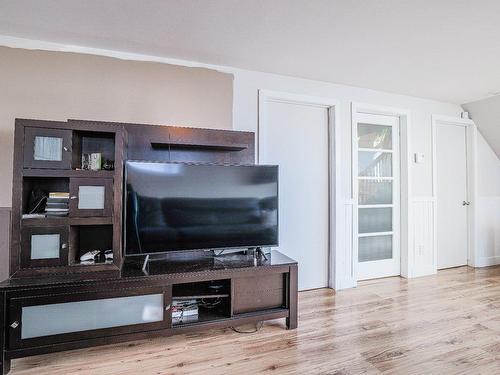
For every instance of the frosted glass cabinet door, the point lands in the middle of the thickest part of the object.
(47, 148)
(44, 246)
(90, 197)
(57, 318)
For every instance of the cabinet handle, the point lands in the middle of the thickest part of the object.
(65, 148)
(168, 307)
(464, 203)
(73, 197)
(15, 324)
(64, 246)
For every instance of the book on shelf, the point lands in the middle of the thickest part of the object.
(56, 205)
(48, 209)
(56, 213)
(57, 200)
(58, 194)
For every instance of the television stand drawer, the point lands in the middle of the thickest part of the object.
(258, 293)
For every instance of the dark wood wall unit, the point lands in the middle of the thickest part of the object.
(247, 287)
(65, 175)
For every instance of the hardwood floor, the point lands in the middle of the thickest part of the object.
(444, 324)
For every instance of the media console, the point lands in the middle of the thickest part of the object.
(51, 314)
(54, 301)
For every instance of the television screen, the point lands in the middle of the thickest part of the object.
(175, 206)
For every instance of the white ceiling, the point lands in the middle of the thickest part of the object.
(442, 49)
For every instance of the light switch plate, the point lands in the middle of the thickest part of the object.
(419, 157)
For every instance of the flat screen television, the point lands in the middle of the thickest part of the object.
(177, 206)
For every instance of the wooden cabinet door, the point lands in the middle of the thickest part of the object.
(90, 197)
(44, 246)
(59, 318)
(47, 148)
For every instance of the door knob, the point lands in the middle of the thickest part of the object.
(465, 203)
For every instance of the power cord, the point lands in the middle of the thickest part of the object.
(258, 327)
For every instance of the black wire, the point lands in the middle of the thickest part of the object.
(258, 327)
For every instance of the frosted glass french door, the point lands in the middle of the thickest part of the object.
(377, 191)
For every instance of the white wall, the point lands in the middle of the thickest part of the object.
(245, 117)
(487, 205)
(421, 249)
(58, 85)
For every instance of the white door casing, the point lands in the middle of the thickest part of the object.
(294, 132)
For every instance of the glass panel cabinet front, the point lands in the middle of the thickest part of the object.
(44, 246)
(47, 148)
(59, 318)
(91, 197)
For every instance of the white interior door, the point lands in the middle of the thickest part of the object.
(451, 195)
(377, 187)
(295, 137)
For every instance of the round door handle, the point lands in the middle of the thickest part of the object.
(15, 324)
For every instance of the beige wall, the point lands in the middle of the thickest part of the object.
(58, 85)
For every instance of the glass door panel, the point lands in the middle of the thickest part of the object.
(44, 246)
(47, 148)
(376, 153)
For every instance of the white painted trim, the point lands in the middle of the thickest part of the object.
(488, 261)
(471, 158)
(33, 44)
(406, 229)
(335, 206)
(424, 199)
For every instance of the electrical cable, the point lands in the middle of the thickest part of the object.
(258, 327)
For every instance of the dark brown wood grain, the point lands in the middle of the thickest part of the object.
(258, 293)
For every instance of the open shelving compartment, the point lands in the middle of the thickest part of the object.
(44, 185)
(212, 298)
(85, 238)
(88, 142)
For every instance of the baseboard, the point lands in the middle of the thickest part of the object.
(488, 261)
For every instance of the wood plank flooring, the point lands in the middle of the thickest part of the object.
(443, 324)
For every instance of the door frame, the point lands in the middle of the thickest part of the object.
(406, 222)
(334, 248)
(470, 152)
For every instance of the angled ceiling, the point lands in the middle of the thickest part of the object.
(486, 115)
(441, 49)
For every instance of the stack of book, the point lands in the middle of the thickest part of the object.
(184, 311)
(57, 204)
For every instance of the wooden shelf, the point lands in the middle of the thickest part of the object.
(33, 172)
(54, 221)
(200, 146)
(199, 290)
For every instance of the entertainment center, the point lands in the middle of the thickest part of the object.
(78, 270)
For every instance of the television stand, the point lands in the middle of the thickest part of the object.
(230, 290)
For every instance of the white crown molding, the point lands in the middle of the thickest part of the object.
(32, 44)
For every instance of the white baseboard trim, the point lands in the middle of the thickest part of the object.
(488, 261)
